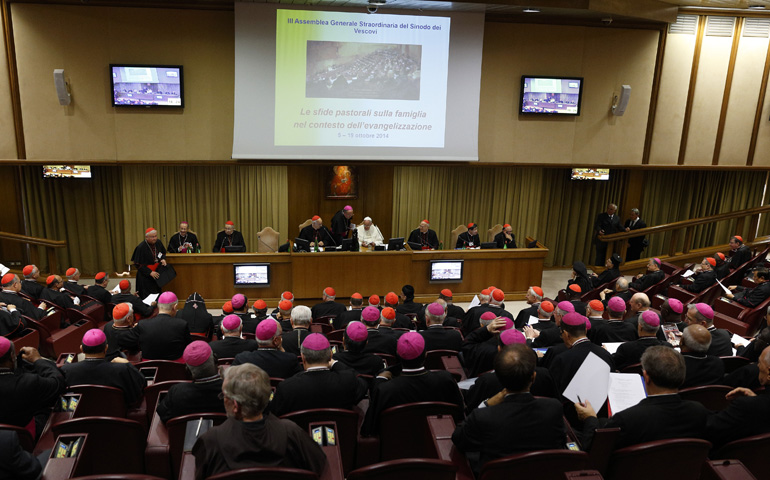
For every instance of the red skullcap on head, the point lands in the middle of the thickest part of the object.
(374, 300)
(124, 284)
(229, 222)
(357, 331)
(50, 279)
(512, 336)
(357, 296)
(574, 319)
(705, 310)
(488, 316)
(285, 305)
(485, 292)
(315, 217)
(330, 292)
(425, 221)
(287, 295)
(120, 311)
(471, 225)
(196, 353)
(227, 307)
(266, 329)
(28, 270)
(446, 292)
(719, 254)
(616, 304)
(566, 306)
(435, 309)
(94, 337)
(676, 305)
(391, 298)
(410, 345)
(506, 225)
(7, 278)
(576, 288)
(150, 229)
(546, 306)
(5, 345)
(231, 322)
(538, 291)
(596, 305)
(71, 271)
(238, 301)
(498, 295)
(491, 288)
(711, 261)
(388, 313)
(100, 276)
(260, 305)
(651, 318)
(316, 342)
(739, 238)
(370, 314)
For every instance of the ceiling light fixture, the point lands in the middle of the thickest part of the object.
(531, 10)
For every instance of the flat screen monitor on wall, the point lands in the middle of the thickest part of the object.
(590, 174)
(147, 86)
(542, 95)
(66, 171)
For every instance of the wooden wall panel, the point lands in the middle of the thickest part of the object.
(744, 94)
(707, 100)
(7, 131)
(672, 97)
(11, 219)
(762, 152)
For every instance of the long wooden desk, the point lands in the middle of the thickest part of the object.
(307, 274)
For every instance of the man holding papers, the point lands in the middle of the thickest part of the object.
(751, 297)
(514, 420)
(566, 364)
(662, 415)
(630, 353)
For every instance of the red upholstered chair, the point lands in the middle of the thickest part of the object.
(25, 438)
(734, 363)
(751, 451)
(542, 465)
(643, 461)
(151, 394)
(411, 418)
(272, 473)
(326, 319)
(55, 340)
(29, 337)
(99, 401)
(119, 476)
(115, 445)
(347, 429)
(390, 360)
(167, 370)
(176, 432)
(336, 335)
(407, 469)
(711, 396)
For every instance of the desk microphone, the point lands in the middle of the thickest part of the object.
(329, 235)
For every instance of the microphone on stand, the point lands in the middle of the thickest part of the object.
(329, 235)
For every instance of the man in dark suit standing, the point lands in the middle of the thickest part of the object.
(662, 415)
(162, 337)
(635, 245)
(606, 223)
(341, 225)
(514, 421)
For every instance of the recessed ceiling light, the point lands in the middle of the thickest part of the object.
(378, 3)
(531, 10)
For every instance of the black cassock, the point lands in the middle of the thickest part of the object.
(322, 235)
(178, 240)
(234, 240)
(146, 259)
(340, 227)
(429, 239)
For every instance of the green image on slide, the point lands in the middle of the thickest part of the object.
(363, 70)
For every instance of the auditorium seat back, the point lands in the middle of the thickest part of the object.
(543, 465)
(751, 451)
(347, 429)
(643, 461)
(412, 418)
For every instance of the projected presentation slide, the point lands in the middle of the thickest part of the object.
(351, 79)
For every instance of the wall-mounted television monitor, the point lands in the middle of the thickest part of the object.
(251, 274)
(590, 174)
(147, 86)
(66, 171)
(446, 271)
(550, 95)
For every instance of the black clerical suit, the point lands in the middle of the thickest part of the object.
(11, 322)
(224, 240)
(702, 369)
(74, 287)
(630, 353)
(144, 257)
(378, 342)
(25, 307)
(30, 393)
(702, 281)
(740, 256)
(487, 385)
(340, 227)
(101, 294)
(439, 338)
(312, 235)
(523, 317)
(521, 423)
(420, 385)
(479, 350)
(56, 297)
(229, 347)
(319, 387)
(606, 276)
(721, 342)
(647, 280)
(658, 417)
(343, 318)
(275, 363)
(198, 396)
(502, 242)
(160, 338)
(99, 371)
(466, 240)
(609, 225)
(428, 239)
(743, 417)
(752, 297)
(15, 462)
(636, 244)
(292, 341)
(614, 331)
(363, 363)
(177, 240)
(624, 295)
(118, 338)
(328, 308)
(566, 364)
(136, 303)
(472, 319)
(32, 288)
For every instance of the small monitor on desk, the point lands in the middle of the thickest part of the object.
(395, 244)
(347, 244)
(488, 245)
(302, 245)
(446, 271)
(415, 246)
(235, 249)
(251, 274)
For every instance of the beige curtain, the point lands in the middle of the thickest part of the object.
(542, 203)
(87, 213)
(671, 196)
(253, 197)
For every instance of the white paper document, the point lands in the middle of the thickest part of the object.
(533, 320)
(3, 270)
(475, 302)
(150, 298)
(625, 390)
(612, 347)
(727, 290)
(467, 383)
(116, 289)
(737, 340)
(590, 382)
(688, 274)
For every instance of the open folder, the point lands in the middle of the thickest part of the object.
(595, 383)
